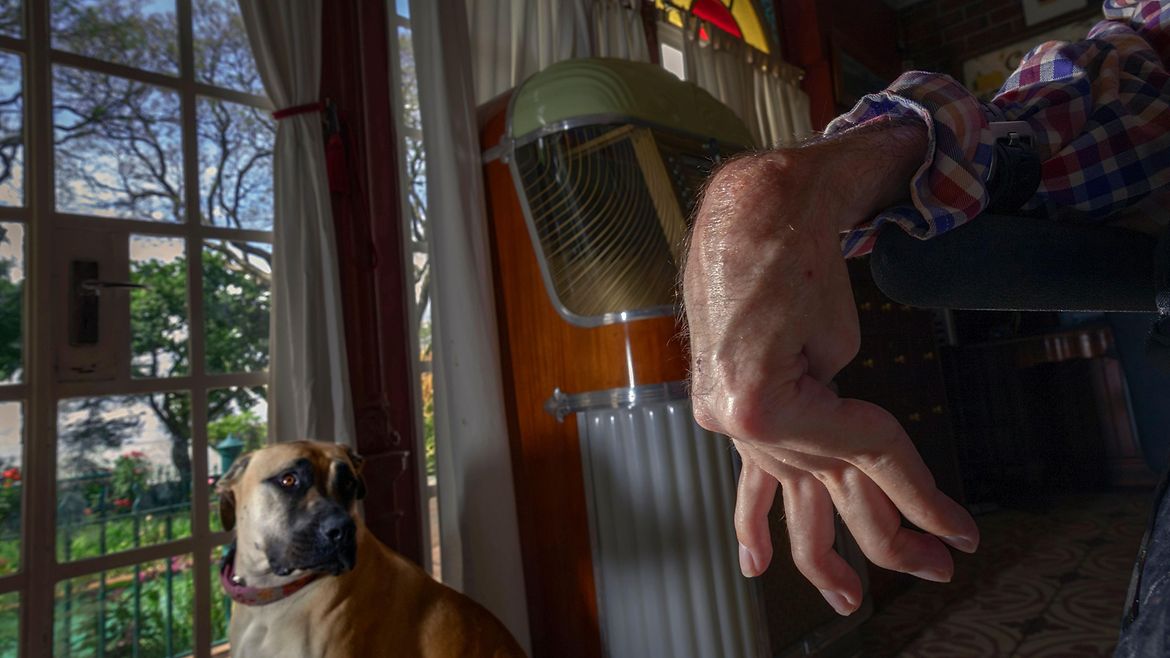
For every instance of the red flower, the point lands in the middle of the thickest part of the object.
(12, 474)
(122, 502)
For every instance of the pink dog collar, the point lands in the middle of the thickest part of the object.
(245, 595)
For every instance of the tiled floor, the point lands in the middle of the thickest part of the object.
(1045, 582)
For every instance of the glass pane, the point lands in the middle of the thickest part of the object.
(146, 610)
(221, 605)
(123, 473)
(403, 8)
(11, 485)
(10, 624)
(118, 148)
(237, 277)
(238, 423)
(235, 165)
(158, 313)
(138, 33)
(11, 303)
(11, 24)
(11, 128)
(223, 56)
(411, 117)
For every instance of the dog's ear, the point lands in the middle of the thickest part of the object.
(355, 462)
(227, 497)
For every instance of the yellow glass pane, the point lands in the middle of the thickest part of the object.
(682, 4)
(749, 24)
(674, 17)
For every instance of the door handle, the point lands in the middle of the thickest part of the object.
(94, 287)
(85, 301)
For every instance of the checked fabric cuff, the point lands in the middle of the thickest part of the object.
(949, 189)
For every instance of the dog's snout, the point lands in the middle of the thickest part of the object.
(337, 529)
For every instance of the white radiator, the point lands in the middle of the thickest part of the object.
(661, 494)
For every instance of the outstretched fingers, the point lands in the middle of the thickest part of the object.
(753, 501)
(871, 439)
(894, 465)
(877, 527)
(812, 532)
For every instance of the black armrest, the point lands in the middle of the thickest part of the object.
(1019, 264)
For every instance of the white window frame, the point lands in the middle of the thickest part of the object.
(402, 132)
(39, 390)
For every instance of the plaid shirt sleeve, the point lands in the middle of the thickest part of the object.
(1099, 108)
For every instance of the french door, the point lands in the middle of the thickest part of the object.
(135, 253)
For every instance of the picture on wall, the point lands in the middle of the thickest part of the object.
(986, 73)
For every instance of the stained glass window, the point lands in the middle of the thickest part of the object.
(739, 18)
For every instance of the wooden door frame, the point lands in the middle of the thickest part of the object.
(375, 287)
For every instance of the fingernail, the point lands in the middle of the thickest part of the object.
(965, 544)
(839, 603)
(932, 575)
(747, 562)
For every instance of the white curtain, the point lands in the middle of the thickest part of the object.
(617, 30)
(309, 379)
(782, 111)
(768, 100)
(477, 509)
(512, 39)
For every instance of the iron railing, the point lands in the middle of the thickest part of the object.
(83, 631)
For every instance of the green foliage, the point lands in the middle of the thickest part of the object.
(429, 429)
(139, 607)
(11, 485)
(11, 482)
(236, 306)
(129, 478)
(247, 426)
(11, 317)
(9, 624)
(158, 317)
(236, 303)
(120, 532)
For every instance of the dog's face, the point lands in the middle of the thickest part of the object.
(295, 503)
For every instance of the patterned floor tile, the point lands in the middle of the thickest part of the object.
(1049, 581)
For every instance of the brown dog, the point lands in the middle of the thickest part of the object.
(309, 580)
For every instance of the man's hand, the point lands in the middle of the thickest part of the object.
(772, 320)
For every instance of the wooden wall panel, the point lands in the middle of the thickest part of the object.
(541, 351)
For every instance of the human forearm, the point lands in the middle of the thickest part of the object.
(872, 167)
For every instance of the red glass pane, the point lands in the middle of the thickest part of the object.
(716, 14)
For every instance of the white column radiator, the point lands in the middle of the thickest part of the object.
(661, 494)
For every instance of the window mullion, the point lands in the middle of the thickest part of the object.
(40, 446)
(199, 503)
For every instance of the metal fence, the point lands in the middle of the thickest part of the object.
(110, 617)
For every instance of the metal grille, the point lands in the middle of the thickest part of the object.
(608, 207)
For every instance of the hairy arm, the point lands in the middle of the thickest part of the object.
(772, 320)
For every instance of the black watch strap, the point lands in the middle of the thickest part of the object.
(1014, 174)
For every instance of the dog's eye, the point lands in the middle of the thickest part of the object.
(288, 480)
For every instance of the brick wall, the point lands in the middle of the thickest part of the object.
(939, 35)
